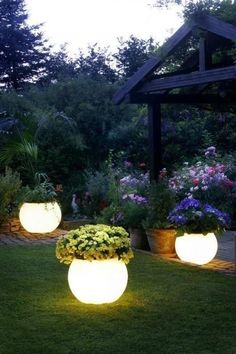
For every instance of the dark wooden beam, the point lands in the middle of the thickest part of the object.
(183, 32)
(155, 146)
(219, 27)
(196, 78)
(181, 98)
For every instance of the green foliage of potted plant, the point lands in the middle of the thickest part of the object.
(42, 192)
(97, 255)
(94, 242)
(159, 230)
(134, 211)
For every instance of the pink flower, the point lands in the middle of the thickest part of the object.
(196, 181)
(220, 168)
(142, 165)
(228, 183)
(211, 171)
(163, 172)
(128, 164)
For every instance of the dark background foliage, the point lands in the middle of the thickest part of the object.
(59, 110)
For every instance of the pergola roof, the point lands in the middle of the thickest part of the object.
(198, 79)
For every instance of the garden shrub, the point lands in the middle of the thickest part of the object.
(10, 186)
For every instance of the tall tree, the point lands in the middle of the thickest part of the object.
(96, 64)
(23, 51)
(59, 67)
(132, 54)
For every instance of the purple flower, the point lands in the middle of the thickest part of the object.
(210, 209)
(117, 217)
(177, 219)
(135, 198)
(187, 203)
(210, 151)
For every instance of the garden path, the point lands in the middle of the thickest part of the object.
(223, 262)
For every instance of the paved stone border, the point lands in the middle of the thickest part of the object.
(223, 265)
(23, 238)
(217, 265)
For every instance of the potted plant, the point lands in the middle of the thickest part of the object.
(134, 212)
(97, 255)
(197, 224)
(159, 230)
(40, 212)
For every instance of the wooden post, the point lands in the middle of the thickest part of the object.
(202, 54)
(155, 148)
(205, 59)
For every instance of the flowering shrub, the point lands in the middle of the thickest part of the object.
(192, 216)
(134, 212)
(160, 202)
(136, 183)
(91, 242)
(207, 180)
(200, 176)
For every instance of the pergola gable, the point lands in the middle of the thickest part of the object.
(199, 80)
(142, 83)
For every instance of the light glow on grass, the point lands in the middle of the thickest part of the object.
(167, 307)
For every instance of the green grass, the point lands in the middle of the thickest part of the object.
(167, 308)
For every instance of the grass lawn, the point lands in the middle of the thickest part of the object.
(167, 308)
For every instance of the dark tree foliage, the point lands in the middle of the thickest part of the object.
(96, 64)
(59, 67)
(190, 8)
(132, 54)
(23, 52)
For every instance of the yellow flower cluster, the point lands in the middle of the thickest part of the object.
(91, 242)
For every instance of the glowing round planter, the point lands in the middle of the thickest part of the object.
(40, 217)
(98, 281)
(196, 248)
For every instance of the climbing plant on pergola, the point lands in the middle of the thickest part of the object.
(206, 76)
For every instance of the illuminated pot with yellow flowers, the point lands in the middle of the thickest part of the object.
(97, 255)
(40, 212)
(197, 224)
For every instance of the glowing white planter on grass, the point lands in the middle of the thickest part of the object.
(40, 217)
(97, 281)
(196, 248)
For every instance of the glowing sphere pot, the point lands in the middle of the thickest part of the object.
(97, 281)
(40, 217)
(196, 248)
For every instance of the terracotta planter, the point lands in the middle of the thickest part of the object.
(138, 239)
(162, 241)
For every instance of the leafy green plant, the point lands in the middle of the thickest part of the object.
(161, 202)
(91, 242)
(10, 186)
(134, 214)
(42, 192)
(96, 196)
(111, 215)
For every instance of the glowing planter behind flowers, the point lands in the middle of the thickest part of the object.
(97, 281)
(196, 248)
(40, 217)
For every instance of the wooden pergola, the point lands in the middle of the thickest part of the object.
(200, 79)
